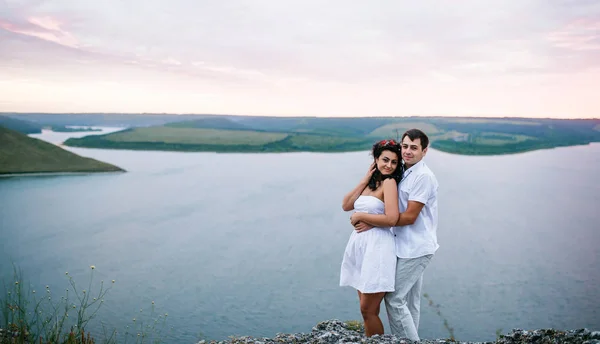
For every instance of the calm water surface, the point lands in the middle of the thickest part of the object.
(251, 244)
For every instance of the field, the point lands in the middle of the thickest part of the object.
(324, 143)
(396, 129)
(215, 140)
(194, 136)
(498, 139)
(493, 121)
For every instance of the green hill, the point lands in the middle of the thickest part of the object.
(22, 126)
(316, 125)
(210, 123)
(216, 140)
(229, 133)
(20, 153)
(478, 136)
(26, 126)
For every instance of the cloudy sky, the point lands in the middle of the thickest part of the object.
(530, 58)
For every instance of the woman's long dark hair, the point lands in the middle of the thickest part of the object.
(378, 148)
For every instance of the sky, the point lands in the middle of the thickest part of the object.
(492, 58)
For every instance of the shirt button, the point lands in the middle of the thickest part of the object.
(394, 234)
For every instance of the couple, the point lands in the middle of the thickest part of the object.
(395, 223)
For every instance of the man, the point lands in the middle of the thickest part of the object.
(415, 235)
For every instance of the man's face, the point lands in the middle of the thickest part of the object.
(412, 151)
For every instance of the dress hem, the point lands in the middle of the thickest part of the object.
(386, 290)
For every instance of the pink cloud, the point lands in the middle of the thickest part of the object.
(581, 35)
(45, 28)
(171, 61)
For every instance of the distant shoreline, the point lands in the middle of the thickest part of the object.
(48, 174)
(479, 150)
(471, 136)
(164, 114)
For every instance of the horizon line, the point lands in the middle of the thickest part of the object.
(305, 116)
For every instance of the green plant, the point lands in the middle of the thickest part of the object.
(39, 317)
(439, 313)
(146, 328)
(31, 317)
(355, 325)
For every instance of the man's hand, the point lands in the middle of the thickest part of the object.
(359, 225)
(362, 227)
(355, 218)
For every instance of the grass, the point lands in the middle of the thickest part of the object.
(448, 135)
(321, 142)
(438, 311)
(20, 153)
(355, 325)
(196, 136)
(499, 138)
(492, 121)
(216, 140)
(397, 129)
(209, 123)
(41, 317)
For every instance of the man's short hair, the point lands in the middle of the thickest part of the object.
(414, 134)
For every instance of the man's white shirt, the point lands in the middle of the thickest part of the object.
(419, 239)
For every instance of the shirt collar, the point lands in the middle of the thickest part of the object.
(413, 168)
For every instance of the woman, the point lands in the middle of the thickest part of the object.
(369, 263)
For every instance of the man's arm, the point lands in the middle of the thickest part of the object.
(419, 195)
(406, 218)
(410, 215)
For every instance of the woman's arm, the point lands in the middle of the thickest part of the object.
(392, 213)
(348, 201)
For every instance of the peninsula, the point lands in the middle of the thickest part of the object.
(20, 153)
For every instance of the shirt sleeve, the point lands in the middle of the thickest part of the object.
(422, 189)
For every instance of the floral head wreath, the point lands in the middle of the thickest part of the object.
(384, 143)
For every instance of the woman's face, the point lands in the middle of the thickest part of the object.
(387, 162)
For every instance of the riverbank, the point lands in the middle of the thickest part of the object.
(21, 155)
(55, 174)
(303, 144)
(335, 331)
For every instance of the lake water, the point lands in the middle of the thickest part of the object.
(251, 244)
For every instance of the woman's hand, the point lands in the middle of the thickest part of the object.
(352, 196)
(355, 218)
(370, 172)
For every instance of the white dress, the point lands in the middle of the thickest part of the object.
(369, 263)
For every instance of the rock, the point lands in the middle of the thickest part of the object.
(337, 332)
(583, 332)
